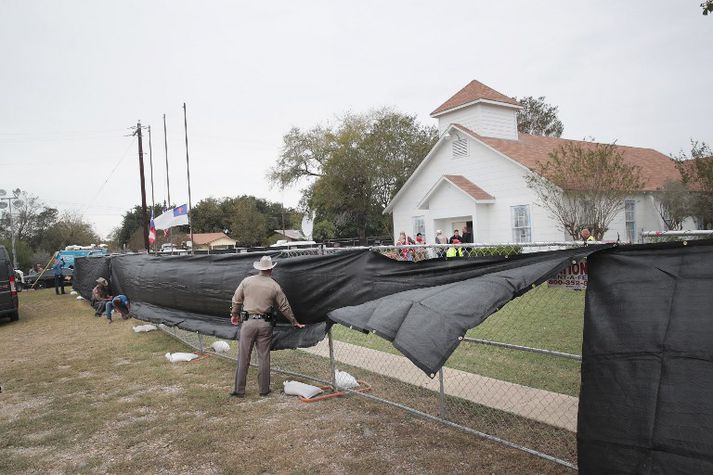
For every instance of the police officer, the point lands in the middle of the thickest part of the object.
(257, 295)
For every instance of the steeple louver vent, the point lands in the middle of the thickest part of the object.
(460, 148)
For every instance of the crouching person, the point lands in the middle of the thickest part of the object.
(100, 296)
(121, 304)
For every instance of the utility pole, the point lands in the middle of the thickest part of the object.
(188, 173)
(165, 148)
(153, 202)
(144, 216)
(17, 202)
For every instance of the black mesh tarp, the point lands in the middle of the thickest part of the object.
(646, 403)
(87, 270)
(194, 292)
(426, 324)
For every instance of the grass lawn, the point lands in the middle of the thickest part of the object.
(548, 318)
(82, 396)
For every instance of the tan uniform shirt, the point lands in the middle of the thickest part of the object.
(257, 294)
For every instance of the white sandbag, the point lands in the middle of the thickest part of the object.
(176, 357)
(220, 346)
(346, 380)
(74, 292)
(295, 388)
(80, 298)
(145, 328)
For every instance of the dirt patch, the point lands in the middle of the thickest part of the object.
(136, 413)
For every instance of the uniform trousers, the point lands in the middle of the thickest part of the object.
(256, 333)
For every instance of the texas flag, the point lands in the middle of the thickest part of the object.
(152, 230)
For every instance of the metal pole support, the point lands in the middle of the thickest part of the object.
(201, 346)
(442, 396)
(332, 362)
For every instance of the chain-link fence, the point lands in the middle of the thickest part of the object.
(666, 236)
(513, 379)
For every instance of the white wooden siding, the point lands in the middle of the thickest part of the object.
(485, 119)
(504, 179)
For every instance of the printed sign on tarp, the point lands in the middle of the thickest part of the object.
(574, 276)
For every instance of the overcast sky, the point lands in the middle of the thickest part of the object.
(74, 75)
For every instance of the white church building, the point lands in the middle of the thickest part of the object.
(474, 177)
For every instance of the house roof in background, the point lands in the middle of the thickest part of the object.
(530, 150)
(472, 92)
(200, 239)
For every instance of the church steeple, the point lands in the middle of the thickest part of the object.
(481, 109)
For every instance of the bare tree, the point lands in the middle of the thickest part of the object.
(585, 184)
(31, 219)
(674, 204)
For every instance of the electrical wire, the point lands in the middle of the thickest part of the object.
(111, 173)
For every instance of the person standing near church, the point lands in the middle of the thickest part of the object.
(255, 298)
(57, 268)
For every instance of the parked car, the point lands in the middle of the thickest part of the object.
(8, 290)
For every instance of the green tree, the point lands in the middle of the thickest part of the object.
(130, 223)
(69, 229)
(232, 214)
(248, 226)
(707, 7)
(24, 253)
(584, 184)
(696, 170)
(210, 216)
(354, 169)
(538, 118)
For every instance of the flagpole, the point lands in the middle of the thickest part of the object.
(153, 200)
(188, 174)
(165, 148)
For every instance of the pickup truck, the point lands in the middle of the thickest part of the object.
(68, 255)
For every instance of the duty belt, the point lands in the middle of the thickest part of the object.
(258, 316)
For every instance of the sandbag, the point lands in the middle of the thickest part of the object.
(345, 380)
(220, 346)
(178, 356)
(295, 388)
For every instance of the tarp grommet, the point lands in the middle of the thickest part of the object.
(460, 338)
(685, 243)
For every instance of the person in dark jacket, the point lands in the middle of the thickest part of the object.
(121, 304)
(456, 235)
(58, 275)
(467, 236)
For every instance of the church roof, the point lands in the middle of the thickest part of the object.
(469, 187)
(530, 150)
(472, 92)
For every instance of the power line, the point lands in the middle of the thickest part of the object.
(111, 173)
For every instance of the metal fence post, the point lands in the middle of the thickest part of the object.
(442, 396)
(200, 343)
(332, 362)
